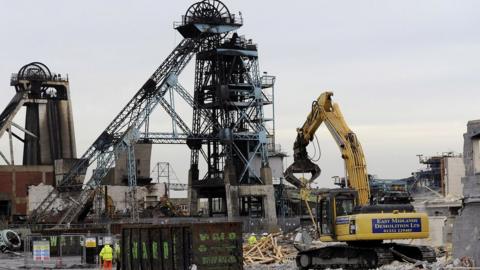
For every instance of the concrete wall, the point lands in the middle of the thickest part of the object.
(37, 193)
(454, 171)
(276, 164)
(143, 153)
(466, 234)
(146, 195)
(63, 167)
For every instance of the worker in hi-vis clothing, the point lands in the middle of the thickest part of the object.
(106, 255)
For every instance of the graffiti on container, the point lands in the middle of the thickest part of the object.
(208, 246)
(222, 244)
(135, 250)
(165, 250)
(144, 251)
(155, 250)
(213, 260)
(217, 236)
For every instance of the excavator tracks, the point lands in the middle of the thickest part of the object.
(361, 257)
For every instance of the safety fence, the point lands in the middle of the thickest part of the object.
(65, 250)
(54, 251)
(261, 225)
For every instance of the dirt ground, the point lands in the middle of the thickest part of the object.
(10, 262)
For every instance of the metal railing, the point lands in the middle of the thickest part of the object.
(267, 80)
(37, 77)
(232, 19)
(54, 251)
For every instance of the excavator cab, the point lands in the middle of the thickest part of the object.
(334, 206)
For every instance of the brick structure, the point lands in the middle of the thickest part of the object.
(14, 187)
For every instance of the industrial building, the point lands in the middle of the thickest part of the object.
(236, 172)
(232, 132)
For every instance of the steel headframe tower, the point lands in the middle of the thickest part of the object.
(228, 127)
(228, 119)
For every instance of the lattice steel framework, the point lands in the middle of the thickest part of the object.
(118, 135)
(230, 110)
(228, 121)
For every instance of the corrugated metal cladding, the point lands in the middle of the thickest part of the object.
(209, 246)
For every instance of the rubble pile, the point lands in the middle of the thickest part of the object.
(441, 264)
(277, 252)
(270, 249)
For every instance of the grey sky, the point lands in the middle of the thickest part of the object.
(404, 72)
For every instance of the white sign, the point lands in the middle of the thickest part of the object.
(107, 240)
(41, 250)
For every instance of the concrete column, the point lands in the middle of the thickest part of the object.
(192, 193)
(269, 199)
(231, 191)
(66, 136)
(270, 209)
(266, 175)
(44, 136)
(71, 128)
(232, 198)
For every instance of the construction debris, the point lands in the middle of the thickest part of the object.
(270, 249)
(9, 241)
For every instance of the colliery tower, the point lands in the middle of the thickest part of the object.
(48, 114)
(228, 138)
(47, 136)
(228, 127)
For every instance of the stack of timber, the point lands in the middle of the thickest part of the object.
(268, 250)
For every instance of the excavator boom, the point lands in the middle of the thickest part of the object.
(325, 111)
(345, 214)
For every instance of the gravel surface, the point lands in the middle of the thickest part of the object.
(11, 262)
(393, 266)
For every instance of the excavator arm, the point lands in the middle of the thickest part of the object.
(325, 111)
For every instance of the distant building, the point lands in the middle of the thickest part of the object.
(442, 175)
(437, 190)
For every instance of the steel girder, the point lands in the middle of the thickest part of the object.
(130, 118)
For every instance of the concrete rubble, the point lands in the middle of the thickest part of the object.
(261, 255)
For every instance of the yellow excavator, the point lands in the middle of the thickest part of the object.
(358, 234)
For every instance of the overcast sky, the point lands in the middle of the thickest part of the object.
(405, 73)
